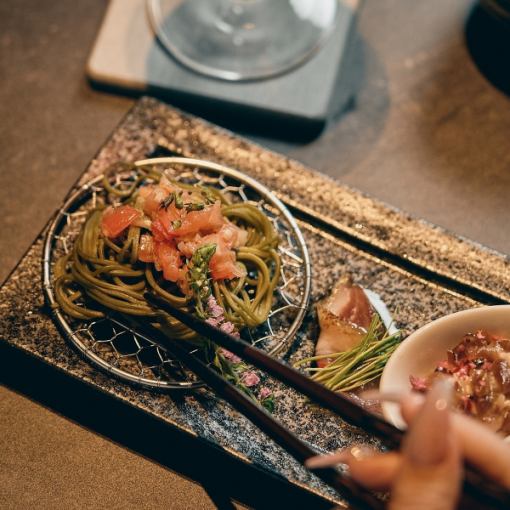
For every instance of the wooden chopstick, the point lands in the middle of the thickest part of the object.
(355, 494)
(340, 404)
(476, 486)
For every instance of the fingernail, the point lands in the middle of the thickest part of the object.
(322, 461)
(360, 452)
(340, 457)
(380, 396)
(393, 396)
(428, 437)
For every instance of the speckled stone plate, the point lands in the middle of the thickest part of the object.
(419, 270)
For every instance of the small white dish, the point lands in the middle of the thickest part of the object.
(420, 352)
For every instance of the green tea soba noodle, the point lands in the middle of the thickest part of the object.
(112, 271)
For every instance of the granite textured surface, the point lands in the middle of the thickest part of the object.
(24, 321)
(351, 211)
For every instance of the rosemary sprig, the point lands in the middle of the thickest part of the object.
(361, 364)
(198, 276)
(227, 364)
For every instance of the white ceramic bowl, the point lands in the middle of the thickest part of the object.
(419, 353)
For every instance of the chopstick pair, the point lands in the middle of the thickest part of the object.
(476, 487)
(358, 497)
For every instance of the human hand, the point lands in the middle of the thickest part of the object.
(427, 472)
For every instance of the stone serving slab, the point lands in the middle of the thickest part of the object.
(421, 272)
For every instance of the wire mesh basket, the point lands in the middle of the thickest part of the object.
(123, 353)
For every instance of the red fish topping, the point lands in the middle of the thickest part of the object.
(168, 259)
(343, 318)
(223, 264)
(116, 219)
(146, 248)
(179, 221)
(151, 198)
(479, 366)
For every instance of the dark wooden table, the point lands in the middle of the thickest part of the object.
(427, 133)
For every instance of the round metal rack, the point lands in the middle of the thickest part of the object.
(122, 353)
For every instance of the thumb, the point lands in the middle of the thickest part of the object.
(430, 474)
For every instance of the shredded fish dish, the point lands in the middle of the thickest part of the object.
(480, 366)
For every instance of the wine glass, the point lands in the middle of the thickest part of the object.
(242, 39)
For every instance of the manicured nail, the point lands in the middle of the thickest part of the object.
(390, 396)
(428, 437)
(382, 396)
(322, 461)
(360, 452)
(346, 456)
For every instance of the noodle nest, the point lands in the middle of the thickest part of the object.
(99, 273)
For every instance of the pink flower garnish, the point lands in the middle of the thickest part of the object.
(217, 317)
(230, 356)
(215, 310)
(264, 392)
(418, 383)
(250, 378)
(213, 322)
(227, 327)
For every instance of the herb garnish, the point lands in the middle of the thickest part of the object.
(209, 197)
(198, 276)
(268, 403)
(198, 206)
(361, 364)
(207, 308)
(179, 204)
(165, 204)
